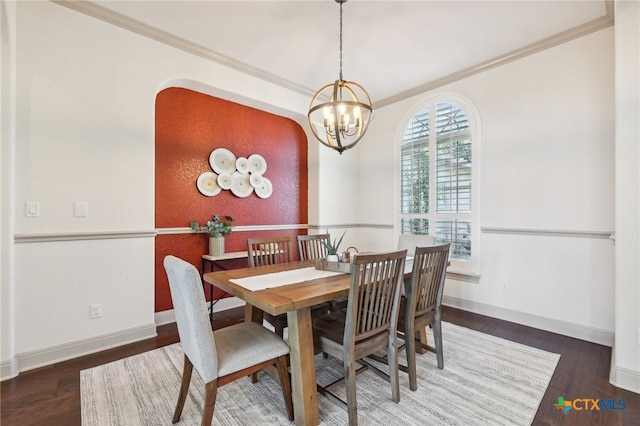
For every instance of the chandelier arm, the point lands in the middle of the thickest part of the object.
(336, 111)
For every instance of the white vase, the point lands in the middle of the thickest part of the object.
(216, 246)
(333, 258)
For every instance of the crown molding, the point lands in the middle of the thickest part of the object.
(102, 13)
(595, 25)
(122, 21)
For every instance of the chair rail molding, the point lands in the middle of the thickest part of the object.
(549, 232)
(79, 236)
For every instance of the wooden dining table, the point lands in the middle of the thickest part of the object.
(295, 300)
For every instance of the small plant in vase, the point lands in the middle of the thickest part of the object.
(332, 248)
(217, 228)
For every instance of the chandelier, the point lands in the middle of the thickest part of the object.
(339, 113)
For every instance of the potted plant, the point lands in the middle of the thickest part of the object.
(217, 228)
(332, 248)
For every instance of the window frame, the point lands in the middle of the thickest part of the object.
(457, 267)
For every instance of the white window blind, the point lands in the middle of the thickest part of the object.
(435, 193)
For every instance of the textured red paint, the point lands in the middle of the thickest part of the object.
(189, 125)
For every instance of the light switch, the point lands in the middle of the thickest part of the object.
(32, 209)
(81, 209)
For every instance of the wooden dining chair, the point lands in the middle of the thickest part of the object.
(310, 247)
(220, 356)
(421, 308)
(270, 251)
(422, 305)
(368, 325)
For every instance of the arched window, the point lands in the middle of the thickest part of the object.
(437, 179)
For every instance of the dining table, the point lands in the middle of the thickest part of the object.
(293, 289)
(294, 299)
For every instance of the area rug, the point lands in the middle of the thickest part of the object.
(486, 381)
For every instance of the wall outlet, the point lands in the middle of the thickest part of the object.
(505, 286)
(95, 310)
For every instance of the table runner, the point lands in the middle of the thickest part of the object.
(277, 279)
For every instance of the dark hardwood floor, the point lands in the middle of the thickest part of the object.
(51, 395)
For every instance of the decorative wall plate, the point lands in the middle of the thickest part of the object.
(207, 184)
(257, 164)
(222, 160)
(265, 189)
(242, 165)
(255, 180)
(225, 181)
(241, 186)
(241, 175)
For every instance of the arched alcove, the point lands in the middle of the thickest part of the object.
(189, 125)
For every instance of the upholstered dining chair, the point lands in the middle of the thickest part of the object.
(409, 242)
(220, 356)
(368, 325)
(270, 251)
(310, 246)
(421, 307)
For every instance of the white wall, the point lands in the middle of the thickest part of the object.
(546, 163)
(85, 106)
(625, 369)
(7, 168)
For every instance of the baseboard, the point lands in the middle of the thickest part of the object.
(167, 317)
(625, 379)
(590, 334)
(40, 358)
(9, 369)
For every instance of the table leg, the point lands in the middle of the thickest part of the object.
(303, 371)
(252, 314)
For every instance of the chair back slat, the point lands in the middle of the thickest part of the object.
(427, 279)
(375, 289)
(269, 251)
(310, 247)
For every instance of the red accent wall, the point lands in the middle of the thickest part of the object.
(189, 125)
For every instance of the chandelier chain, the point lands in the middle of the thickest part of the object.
(341, 41)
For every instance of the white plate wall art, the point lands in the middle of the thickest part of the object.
(222, 160)
(242, 175)
(265, 189)
(241, 186)
(242, 165)
(257, 164)
(255, 180)
(225, 180)
(207, 184)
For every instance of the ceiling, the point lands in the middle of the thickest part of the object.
(393, 48)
